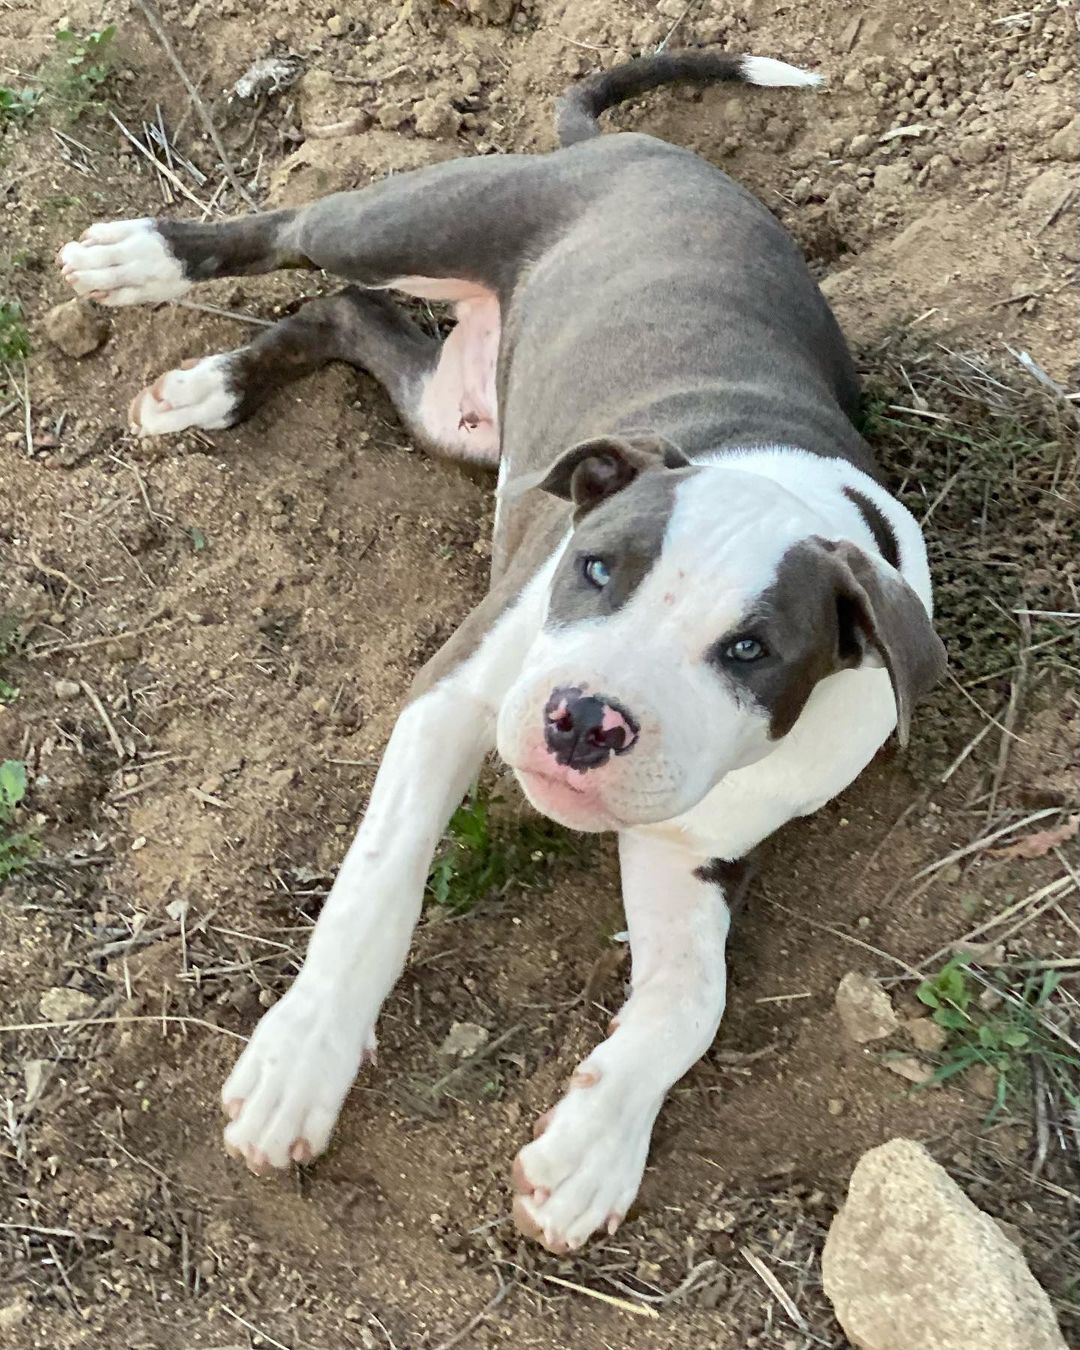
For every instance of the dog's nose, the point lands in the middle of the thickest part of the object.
(583, 732)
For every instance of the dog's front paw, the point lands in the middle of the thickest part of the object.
(285, 1093)
(197, 394)
(123, 262)
(582, 1171)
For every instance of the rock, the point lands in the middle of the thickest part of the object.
(860, 146)
(61, 1005)
(1065, 144)
(927, 1036)
(855, 80)
(911, 1264)
(67, 689)
(75, 328)
(464, 1039)
(907, 1066)
(864, 1008)
(335, 25)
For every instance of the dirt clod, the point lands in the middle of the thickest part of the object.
(76, 328)
(865, 1008)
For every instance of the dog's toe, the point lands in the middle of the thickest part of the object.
(123, 262)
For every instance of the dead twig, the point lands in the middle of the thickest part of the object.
(638, 1309)
(778, 1291)
(76, 1023)
(152, 19)
(106, 721)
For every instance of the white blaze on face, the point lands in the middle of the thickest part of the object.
(725, 536)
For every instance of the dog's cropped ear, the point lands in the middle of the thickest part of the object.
(589, 473)
(879, 613)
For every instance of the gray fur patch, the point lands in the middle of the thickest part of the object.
(626, 532)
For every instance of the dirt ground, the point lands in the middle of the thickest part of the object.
(243, 610)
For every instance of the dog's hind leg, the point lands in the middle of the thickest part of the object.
(443, 391)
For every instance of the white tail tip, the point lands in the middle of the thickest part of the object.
(765, 71)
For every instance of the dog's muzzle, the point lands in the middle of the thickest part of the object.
(583, 732)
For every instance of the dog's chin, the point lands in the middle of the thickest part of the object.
(577, 808)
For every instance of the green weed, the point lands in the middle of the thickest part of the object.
(17, 847)
(14, 335)
(68, 84)
(78, 70)
(1003, 1034)
(481, 857)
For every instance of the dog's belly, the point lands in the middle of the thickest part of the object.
(458, 406)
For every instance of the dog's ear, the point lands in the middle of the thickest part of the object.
(589, 473)
(881, 616)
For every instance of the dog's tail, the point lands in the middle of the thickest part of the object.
(580, 107)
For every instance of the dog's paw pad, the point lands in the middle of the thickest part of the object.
(123, 262)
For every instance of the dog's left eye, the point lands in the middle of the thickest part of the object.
(596, 572)
(745, 649)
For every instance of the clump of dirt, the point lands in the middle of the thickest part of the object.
(214, 632)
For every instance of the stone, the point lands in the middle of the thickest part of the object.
(860, 146)
(75, 328)
(335, 25)
(61, 1005)
(864, 1008)
(855, 80)
(911, 1264)
(67, 689)
(927, 1036)
(463, 1040)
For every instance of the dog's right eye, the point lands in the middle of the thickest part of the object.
(745, 648)
(596, 572)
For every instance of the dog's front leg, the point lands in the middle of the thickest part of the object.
(583, 1170)
(287, 1088)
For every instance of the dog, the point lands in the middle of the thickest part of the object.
(706, 613)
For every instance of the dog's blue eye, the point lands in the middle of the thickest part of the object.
(745, 649)
(596, 572)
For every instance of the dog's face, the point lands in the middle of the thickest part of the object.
(690, 618)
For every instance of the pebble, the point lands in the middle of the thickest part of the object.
(975, 149)
(335, 25)
(67, 689)
(861, 146)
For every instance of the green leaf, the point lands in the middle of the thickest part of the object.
(951, 1019)
(1018, 1040)
(12, 782)
(926, 993)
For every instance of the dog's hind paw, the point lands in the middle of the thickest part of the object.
(285, 1092)
(197, 394)
(123, 262)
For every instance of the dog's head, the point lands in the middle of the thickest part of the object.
(690, 619)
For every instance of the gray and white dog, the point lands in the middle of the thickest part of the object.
(706, 614)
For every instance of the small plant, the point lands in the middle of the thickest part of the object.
(17, 848)
(79, 69)
(16, 105)
(14, 336)
(481, 858)
(1005, 1036)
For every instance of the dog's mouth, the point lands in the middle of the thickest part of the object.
(575, 805)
